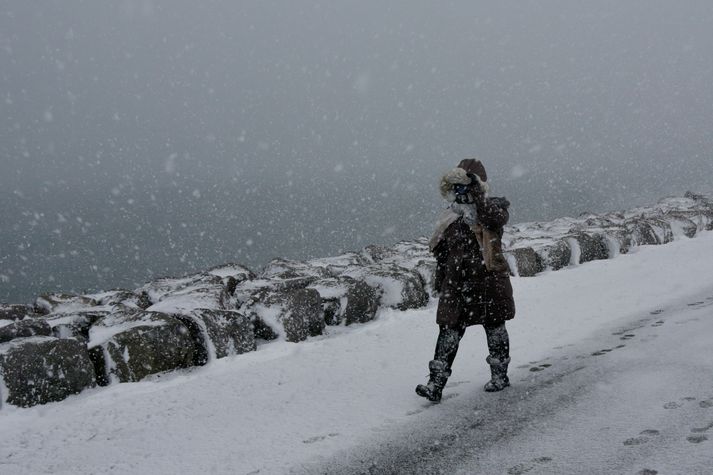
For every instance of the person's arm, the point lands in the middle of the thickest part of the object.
(493, 212)
(441, 254)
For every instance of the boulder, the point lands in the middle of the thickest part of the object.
(237, 271)
(255, 290)
(24, 328)
(591, 247)
(56, 303)
(293, 315)
(426, 269)
(641, 232)
(662, 228)
(398, 287)
(374, 253)
(43, 369)
(231, 275)
(284, 269)
(74, 324)
(680, 224)
(16, 312)
(218, 333)
(338, 264)
(346, 300)
(121, 297)
(618, 240)
(185, 294)
(128, 346)
(528, 261)
(556, 255)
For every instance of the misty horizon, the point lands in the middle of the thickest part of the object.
(140, 139)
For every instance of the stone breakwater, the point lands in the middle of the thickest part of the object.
(62, 344)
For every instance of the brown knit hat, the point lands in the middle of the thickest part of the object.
(471, 165)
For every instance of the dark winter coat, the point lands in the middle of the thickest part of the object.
(470, 293)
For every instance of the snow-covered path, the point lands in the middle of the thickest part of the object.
(637, 398)
(330, 402)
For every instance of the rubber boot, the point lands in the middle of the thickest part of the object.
(498, 374)
(439, 374)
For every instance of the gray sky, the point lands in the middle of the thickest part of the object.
(146, 138)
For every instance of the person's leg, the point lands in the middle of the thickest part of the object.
(498, 358)
(440, 367)
(447, 344)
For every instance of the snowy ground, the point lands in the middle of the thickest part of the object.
(345, 402)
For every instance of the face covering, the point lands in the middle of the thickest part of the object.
(468, 211)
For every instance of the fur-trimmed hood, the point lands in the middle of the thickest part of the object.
(458, 176)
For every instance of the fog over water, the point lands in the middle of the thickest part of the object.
(148, 138)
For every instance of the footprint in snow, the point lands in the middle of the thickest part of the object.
(431, 404)
(672, 405)
(525, 467)
(696, 439)
(706, 404)
(636, 441)
(541, 367)
(656, 312)
(319, 438)
(657, 323)
(627, 336)
(700, 430)
(644, 437)
(602, 352)
(647, 471)
(695, 304)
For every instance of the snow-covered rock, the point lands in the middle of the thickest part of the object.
(130, 346)
(73, 324)
(181, 295)
(398, 287)
(346, 300)
(338, 264)
(292, 315)
(59, 302)
(285, 269)
(218, 333)
(24, 328)
(11, 312)
(42, 369)
(121, 297)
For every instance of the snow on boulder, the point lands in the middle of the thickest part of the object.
(128, 346)
(16, 312)
(43, 369)
(374, 253)
(74, 324)
(338, 264)
(527, 261)
(398, 287)
(55, 303)
(121, 297)
(182, 295)
(24, 328)
(218, 333)
(285, 269)
(237, 271)
(292, 315)
(346, 300)
(641, 232)
(590, 247)
(231, 275)
(681, 225)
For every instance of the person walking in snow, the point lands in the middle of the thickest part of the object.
(472, 276)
